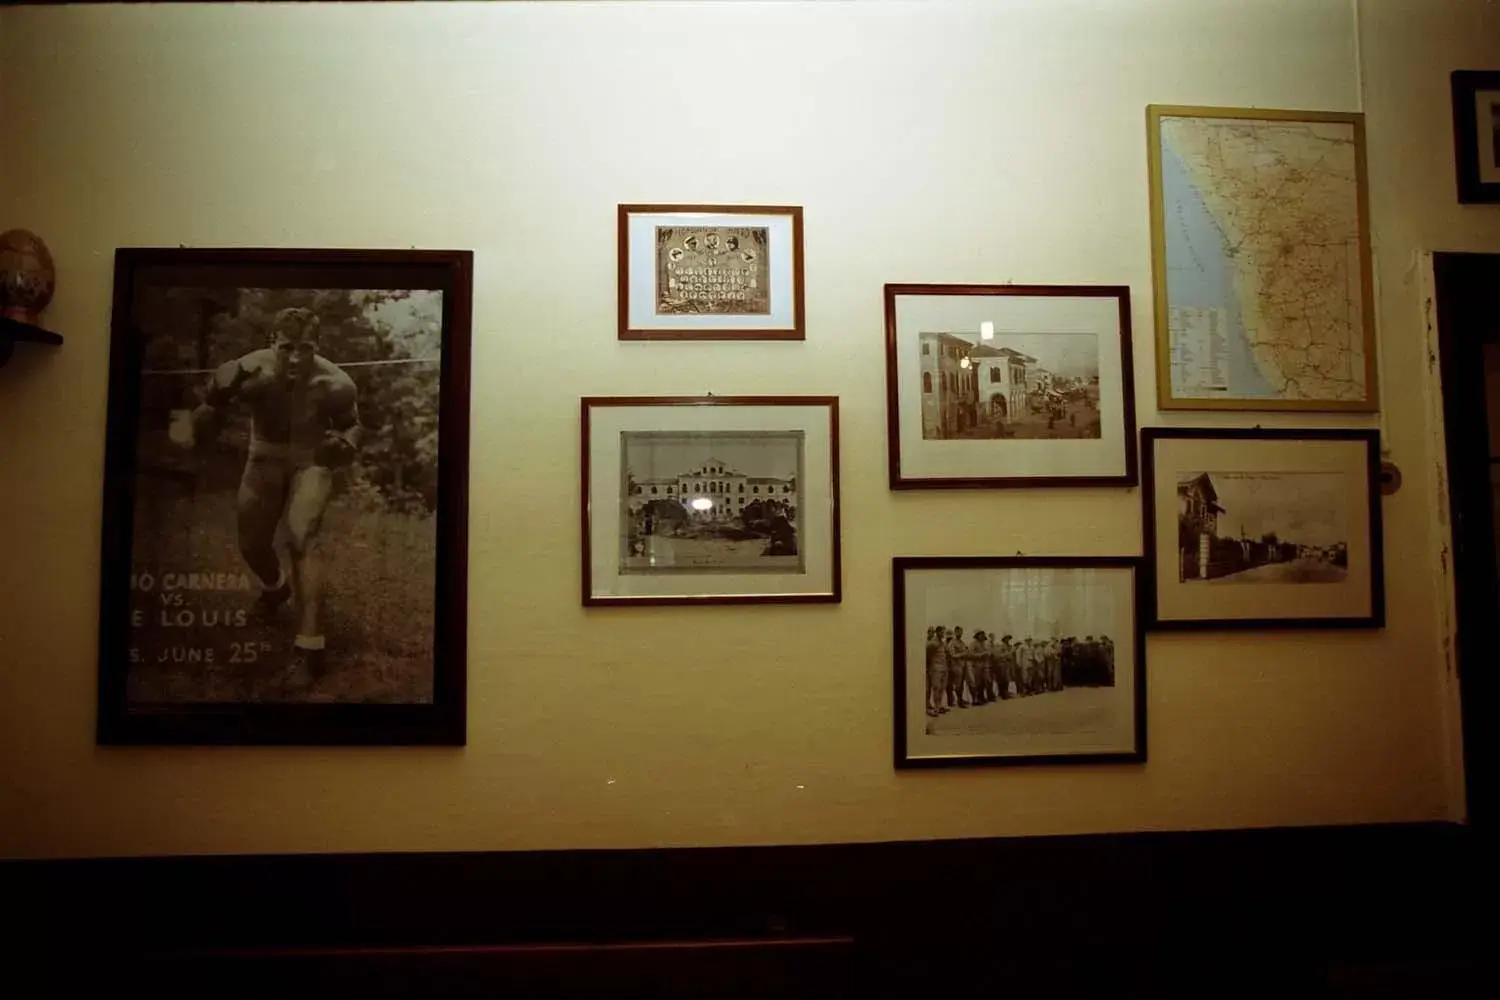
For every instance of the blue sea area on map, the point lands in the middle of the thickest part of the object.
(1200, 273)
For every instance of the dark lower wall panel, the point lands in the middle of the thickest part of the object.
(1218, 912)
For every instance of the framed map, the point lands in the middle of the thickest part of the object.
(1261, 254)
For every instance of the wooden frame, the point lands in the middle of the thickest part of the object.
(777, 263)
(1477, 163)
(1130, 711)
(1362, 508)
(1166, 400)
(1116, 438)
(255, 685)
(676, 424)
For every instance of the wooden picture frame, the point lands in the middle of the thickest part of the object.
(1476, 135)
(711, 272)
(710, 500)
(971, 403)
(1051, 670)
(1208, 356)
(285, 500)
(1301, 546)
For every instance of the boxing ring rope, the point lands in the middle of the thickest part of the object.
(344, 364)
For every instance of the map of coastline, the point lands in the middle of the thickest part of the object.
(1265, 297)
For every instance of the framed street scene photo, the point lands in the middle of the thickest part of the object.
(1260, 242)
(1024, 660)
(710, 499)
(1009, 385)
(285, 500)
(1476, 134)
(710, 272)
(1262, 529)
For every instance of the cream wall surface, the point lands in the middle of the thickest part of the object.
(963, 141)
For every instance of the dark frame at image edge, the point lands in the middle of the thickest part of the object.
(440, 722)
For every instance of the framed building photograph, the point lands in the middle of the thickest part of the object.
(1258, 529)
(710, 499)
(1260, 237)
(1009, 386)
(285, 500)
(1024, 660)
(710, 272)
(1476, 134)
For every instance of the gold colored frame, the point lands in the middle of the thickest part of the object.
(1164, 398)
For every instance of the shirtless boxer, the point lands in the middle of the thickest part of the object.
(304, 425)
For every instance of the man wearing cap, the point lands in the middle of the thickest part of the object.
(976, 669)
(304, 424)
(958, 652)
(1005, 668)
(1026, 666)
(935, 680)
(940, 670)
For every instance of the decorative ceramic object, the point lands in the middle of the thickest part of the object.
(27, 277)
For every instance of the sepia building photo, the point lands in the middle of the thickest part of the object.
(1011, 386)
(711, 500)
(1284, 527)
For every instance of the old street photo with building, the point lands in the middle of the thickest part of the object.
(722, 270)
(1262, 527)
(725, 501)
(1013, 385)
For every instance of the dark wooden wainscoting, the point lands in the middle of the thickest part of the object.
(1346, 911)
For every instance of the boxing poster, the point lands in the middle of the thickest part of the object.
(288, 471)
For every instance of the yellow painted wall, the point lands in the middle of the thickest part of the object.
(964, 141)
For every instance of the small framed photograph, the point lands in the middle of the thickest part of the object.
(711, 272)
(1009, 386)
(286, 488)
(710, 499)
(1024, 660)
(1476, 134)
(1258, 529)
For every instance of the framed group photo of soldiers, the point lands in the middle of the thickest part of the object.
(1251, 528)
(1017, 660)
(993, 386)
(285, 504)
(710, 499)
(710, 272)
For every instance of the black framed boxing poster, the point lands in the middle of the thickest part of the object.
(286, 498)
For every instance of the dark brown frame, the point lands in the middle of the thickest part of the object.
(899, 567)
(1466, 83)
(1371, 439)
(898, 481)
(799, 312)
(592, 600)
(442, 722)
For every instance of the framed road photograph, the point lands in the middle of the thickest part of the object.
(1260, 241)
(1262, 529)
(1476, 134)
(285, 501)
(711, 272)
(710, 499)
(1024, 660)
(1009, 385)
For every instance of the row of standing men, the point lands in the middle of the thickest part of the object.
(962, 673)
